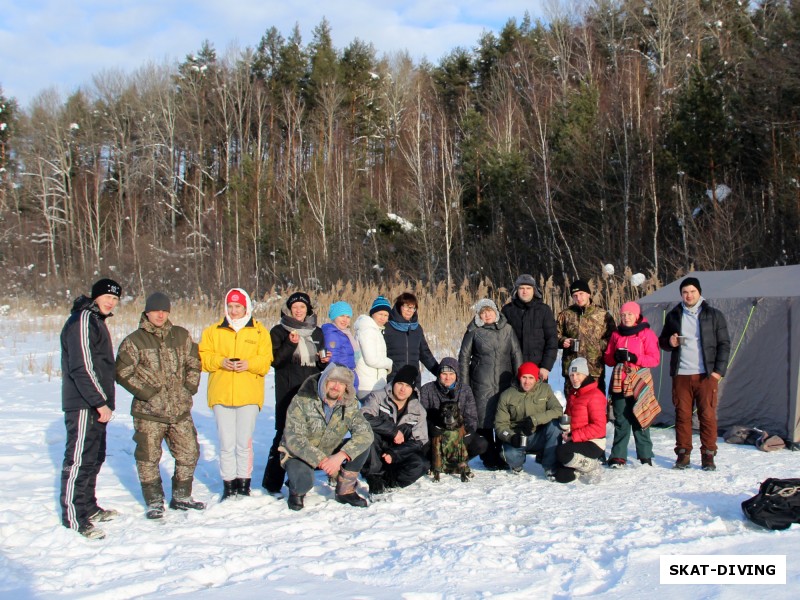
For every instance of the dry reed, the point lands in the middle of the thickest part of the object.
(444, 315)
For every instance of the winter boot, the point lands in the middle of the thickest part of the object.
(295, 501)
(90, 532)
(154, 499)
(683, 461)
(230, 489)
(244, 486)
(582, 464)
(616, 463)
(376, 484)
(154, 511)
(646, 461)
(707, 459)
(346, 489)
(273, 474)
(101, 515)
(182, 496)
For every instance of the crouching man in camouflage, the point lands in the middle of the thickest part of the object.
(159, 364)
(319, 417)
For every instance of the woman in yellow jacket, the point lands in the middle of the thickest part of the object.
(237, 353)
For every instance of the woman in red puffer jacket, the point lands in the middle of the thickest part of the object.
(633, 346)
(585, 436)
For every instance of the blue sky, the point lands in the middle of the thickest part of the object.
(63, 43)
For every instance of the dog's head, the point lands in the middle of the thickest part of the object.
(450, 416)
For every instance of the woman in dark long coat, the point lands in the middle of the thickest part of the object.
(489, 358)
(296, 346)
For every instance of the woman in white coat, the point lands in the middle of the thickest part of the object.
(374, 365)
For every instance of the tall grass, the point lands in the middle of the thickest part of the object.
(444, 315)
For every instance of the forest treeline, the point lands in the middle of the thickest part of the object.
(654, 135)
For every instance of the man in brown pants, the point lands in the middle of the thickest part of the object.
(697, 337)
(159, 364)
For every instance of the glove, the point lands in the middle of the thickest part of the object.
(528, 425)
(621, 355)
(407, 430)
(435, 431)
(518, 440)
(632, 358)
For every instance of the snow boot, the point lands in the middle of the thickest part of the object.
(707, 460)
(616, 463)
(646, 461)
(582, 464)
(229, 489)
(154, 499)
(346, 489)
(90, 532)
(683, 462)
(376, 484)
(182, 496)
(295, 501)
(101, 515)
(243, 486)
(273, 474)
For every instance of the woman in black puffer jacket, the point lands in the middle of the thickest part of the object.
(296, 343)
(405, 339)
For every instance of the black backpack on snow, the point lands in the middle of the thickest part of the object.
(776, 505)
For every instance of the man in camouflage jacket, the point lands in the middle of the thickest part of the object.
(159, 364)
(319, 417)
(592, 326)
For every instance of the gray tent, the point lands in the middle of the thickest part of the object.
(762, 308)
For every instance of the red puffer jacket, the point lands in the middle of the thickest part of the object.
(586, 407)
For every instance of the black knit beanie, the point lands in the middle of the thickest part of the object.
(300, 297)
(579, 285)
(406, 374)
(691, 281)
(106, 286)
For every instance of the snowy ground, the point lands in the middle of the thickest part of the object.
(498, 536)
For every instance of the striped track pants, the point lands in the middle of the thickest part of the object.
(83, 457)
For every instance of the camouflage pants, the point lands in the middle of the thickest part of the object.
(181, 440)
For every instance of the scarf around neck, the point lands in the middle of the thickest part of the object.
(306, 352)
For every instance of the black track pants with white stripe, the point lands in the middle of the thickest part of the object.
(83, 457)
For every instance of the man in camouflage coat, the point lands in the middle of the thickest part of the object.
(592, 326)
(159, 364)
(319, 417)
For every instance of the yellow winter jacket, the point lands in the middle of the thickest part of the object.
(252, 343)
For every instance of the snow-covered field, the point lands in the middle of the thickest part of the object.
(498, 536)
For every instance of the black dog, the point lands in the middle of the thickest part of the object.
(449, 450)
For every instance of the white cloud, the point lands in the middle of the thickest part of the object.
(46, 43)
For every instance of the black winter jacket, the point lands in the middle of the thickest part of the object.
(433, 394)
(289, 375)
(407, 347)
(536, 330)
(87, 359)
(715, 342)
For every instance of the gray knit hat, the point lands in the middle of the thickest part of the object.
(579, 365)
(157, 301)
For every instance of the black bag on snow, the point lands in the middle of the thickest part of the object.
(776, 505)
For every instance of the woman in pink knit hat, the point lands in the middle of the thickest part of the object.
(633, 346)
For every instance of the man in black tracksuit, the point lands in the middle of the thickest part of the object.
(87, 397)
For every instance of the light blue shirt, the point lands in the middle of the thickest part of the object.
(691, 356)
